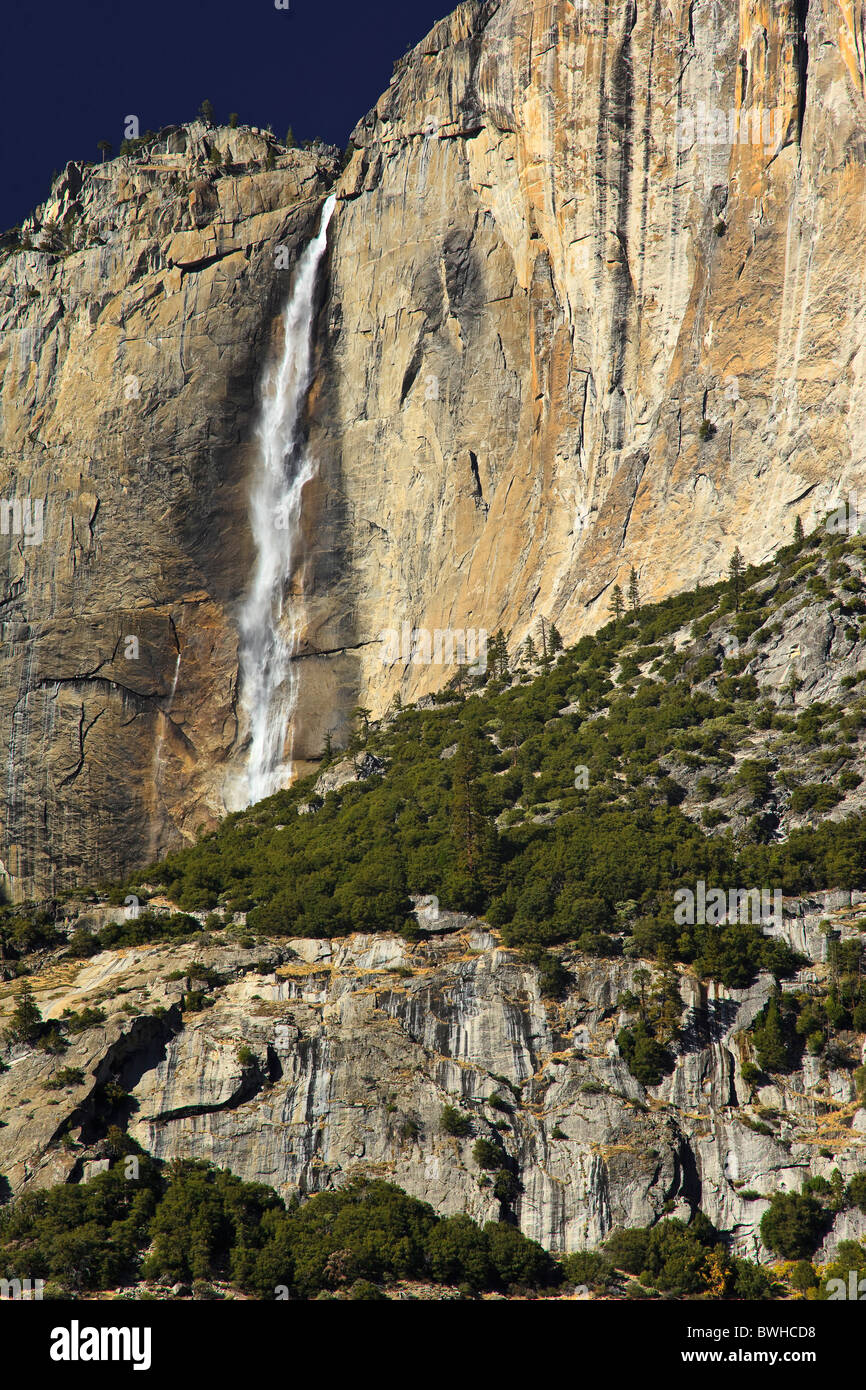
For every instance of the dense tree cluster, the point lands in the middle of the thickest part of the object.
(795, 1224)
(480, 805)
(192, 1222)
(686, 1259)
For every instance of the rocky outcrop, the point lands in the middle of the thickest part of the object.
(318, 1060)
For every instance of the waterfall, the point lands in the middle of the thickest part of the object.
(269, 628)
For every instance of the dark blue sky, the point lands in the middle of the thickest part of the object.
(74, 69)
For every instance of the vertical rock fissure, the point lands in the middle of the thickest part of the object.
(622, 118)
(476, 478)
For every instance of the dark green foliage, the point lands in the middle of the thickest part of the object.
(26, 927)
(204, 1217)
(588, 1267)
(202, 1224)
(453, 1121)
(794, 1225)
(25, 1025)
(817, 1186)
(645, 1057)
(516, 1261)
(195, 1000)
(628, 1249)
(476, 843)
(83, 944)
(793, 1021)
(773, 1040)
(66, 1076)
(85, 1237)
(735, 576)
(686, 1259)
(487, 1154)
(754, 775)
(814, 796)
(857, 1191)
(458, 1251)
(553, 978)
(850, 1258)
(505, 1186)
(676, 1255)
(498, 654)
(752, 1282)
(363, 1291)
(82, 1020)
(136, 931)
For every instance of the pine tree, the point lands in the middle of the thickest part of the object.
(499, 654)
(290, 139)
(26, 1021)
(359, 712)
(206, 112)
(735, 576)
(667, 1001)
(633, 591)
(233, 120)
(555, 640)
(617, 603)
(798, 530)
(468, 805)
(106, 147)
(642, 978)
(530, 655)
(770, 1042)
(474, 835)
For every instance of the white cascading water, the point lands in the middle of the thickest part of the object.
(268, 627)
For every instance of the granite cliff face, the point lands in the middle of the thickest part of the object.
(130, 354)
(568, 237)
(322, 1060)
(571, 234)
